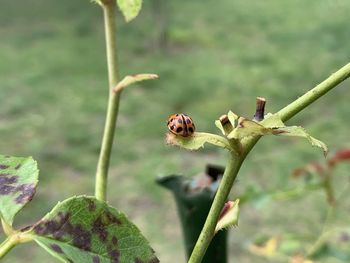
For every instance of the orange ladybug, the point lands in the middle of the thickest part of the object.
(181, 124)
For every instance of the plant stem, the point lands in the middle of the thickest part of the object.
(309, 97)
(12, 240)
(109, 12)
(235, 162)
(7, 245)
(207, 233)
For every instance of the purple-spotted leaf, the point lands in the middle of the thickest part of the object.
(130, 8)
(197, 140)
(83, 229)
(18, 180)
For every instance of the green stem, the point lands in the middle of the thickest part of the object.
(12, 240)
(109, 12)
(235, 163)
(7, 245)
(207, 233)
(309, 97)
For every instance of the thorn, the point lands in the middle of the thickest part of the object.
(260, 109)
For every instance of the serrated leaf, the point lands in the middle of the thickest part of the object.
(229, 215)
(84, 229)
(298, 131)
(130, 8)
(131, 79)
(18, 181)
(197, 140)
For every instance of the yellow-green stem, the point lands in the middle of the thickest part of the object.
(12, 240)
(109, 12)
(7, 245)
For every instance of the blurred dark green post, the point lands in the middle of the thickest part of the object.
(194, 197)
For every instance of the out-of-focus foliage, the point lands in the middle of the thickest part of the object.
(211, 58)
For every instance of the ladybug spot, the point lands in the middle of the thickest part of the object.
(179, 121)
(177, 115)
(172, 127)
(188, 121)
(178, 130)
(190, 130)
(171, 119)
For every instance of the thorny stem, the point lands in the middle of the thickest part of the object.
(235, 162)
(109, 12)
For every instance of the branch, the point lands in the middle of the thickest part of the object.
(109, 12)
(309, 97)
(235, 162)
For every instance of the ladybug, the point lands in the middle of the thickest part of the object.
(181, 124)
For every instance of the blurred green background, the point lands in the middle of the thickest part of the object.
(212, 56)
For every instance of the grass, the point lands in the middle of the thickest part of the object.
(219, 56)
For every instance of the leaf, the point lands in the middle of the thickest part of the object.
(18, 181)
(84, 229)
(219, 126)
(298, 131)
(272, 121)
(97, 1)
(233, 118)
(248, 128)
(269, 249)
(197, 140)
(131, 79)
(130, 8)
(229, 215)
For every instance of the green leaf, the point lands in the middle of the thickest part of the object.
(18, 181)
(272, 121)
(233, 118)
(229, 215)
(220, 127)
(298, 131)
(131, 79)
(130, 8)
(84, 229)
(248, 128)
(197, 140)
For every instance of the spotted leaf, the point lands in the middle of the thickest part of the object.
(18, 181)
(84, 229)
